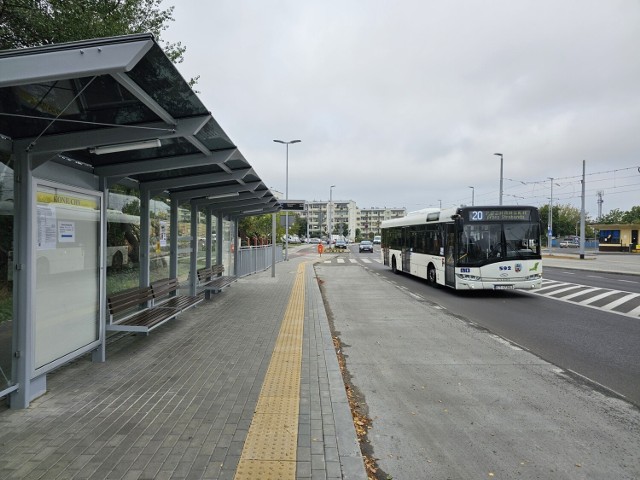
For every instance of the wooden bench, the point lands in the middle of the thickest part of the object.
(132, 310)
(165, 295)
(211, 279)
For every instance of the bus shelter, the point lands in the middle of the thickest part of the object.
(112, 173)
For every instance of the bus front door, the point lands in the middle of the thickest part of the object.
(450, 256)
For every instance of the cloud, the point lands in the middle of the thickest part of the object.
(405, 103)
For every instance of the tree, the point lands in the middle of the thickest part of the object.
(31, 23)
(614, 216)
(632, 216)
(566, 221)
(258, 226)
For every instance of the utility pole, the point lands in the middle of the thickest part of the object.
(582, 213)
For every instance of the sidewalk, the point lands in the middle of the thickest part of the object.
(179, 403)
(628, 263)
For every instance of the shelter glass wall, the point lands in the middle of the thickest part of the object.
(123, 241)
(67, 248)
(159, 239)
(6, 272)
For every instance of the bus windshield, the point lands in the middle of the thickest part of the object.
(493, 242)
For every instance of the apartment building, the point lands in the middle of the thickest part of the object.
(369, 219)
(345, 213)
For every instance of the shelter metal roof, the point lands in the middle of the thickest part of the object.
(119, 108)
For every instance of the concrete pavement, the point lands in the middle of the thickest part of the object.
(450, 400)
(628, 263)
(180, 403)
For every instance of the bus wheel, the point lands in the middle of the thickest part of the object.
(431, 274)
(394, 266)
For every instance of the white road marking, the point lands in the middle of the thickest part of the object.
(620, 301)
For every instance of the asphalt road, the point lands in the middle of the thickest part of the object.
(601, 346)
(450, 399)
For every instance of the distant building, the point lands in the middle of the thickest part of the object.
(369, 219)
(345, 213)
(618, 237)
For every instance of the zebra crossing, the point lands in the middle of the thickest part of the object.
(614, 301)
(351, 261)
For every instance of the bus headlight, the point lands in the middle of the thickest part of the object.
(535, 276)
(466, 276)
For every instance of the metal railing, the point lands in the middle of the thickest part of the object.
(256, 259)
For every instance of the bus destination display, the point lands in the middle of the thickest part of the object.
(499, 215)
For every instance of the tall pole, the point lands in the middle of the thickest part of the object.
(550, 220)
(330, 215)
(473, 194)
(582, 212)
(286, 197)
(501, 175)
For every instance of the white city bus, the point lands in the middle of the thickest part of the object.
(467, 248)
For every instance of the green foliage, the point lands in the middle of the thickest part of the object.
(618, 216)
(259, 226)
(566, 221)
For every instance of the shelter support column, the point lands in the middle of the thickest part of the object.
(23, 241)
(173, 238)
(235, 244)
(273, 244)
(100, 354)
(208, 243)
(145, 200)
(193, 259)
(219, 238)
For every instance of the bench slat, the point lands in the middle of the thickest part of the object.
(162, 289)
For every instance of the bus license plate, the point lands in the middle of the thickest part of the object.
(503, 287)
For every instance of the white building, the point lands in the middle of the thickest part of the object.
(369, 219)
(347, 218)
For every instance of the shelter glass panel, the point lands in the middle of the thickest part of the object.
(159, 241)
(184, 240)
(123, 240)
(67, 298)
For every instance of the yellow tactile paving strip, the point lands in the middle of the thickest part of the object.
(270, 448)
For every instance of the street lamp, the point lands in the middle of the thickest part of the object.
(501, 176)
(286, 197)
(550, 219)
(330, 214)
(473, 194)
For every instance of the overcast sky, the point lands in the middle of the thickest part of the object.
(404, 103)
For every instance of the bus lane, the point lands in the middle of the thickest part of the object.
(449, 399)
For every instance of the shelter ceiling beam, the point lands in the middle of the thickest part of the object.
(228, 201)
(204, 192)
(111, 136)
(166, 163)
(198, 179)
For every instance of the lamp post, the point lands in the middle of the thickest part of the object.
(473, 194)
(501, 174)
(550, 220)
(330, 214)
(286, 197)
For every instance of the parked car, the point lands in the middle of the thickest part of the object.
(569, 243)
(366, 246)
(341, 244)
